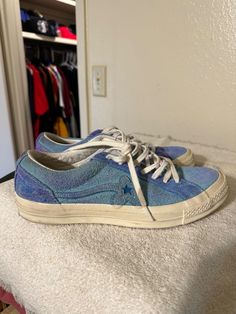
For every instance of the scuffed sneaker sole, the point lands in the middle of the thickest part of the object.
(128, 216)
(186, 159)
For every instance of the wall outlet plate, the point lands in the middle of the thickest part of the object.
(99, 80)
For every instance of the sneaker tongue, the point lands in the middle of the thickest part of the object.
(91, 136)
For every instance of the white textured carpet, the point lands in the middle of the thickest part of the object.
(107, 269)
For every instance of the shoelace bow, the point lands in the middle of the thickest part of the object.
(120, 135)
(126, 149)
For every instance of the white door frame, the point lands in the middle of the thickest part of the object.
(7, 156)
(14, 61)
(82, 28)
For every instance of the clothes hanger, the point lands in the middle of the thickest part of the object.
(65, 62)
(72, 60)
(75, 61)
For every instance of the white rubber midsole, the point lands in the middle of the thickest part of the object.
(129, 216)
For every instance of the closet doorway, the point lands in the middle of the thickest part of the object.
(44, 45)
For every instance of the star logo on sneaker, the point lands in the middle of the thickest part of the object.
(125, 193)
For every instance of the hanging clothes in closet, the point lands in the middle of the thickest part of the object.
(53, 92)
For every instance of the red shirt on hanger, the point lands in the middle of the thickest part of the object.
(40, 99)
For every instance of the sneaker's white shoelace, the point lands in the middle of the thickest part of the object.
(125, 149)
(117, 134)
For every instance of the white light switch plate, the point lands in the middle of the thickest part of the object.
(99, 80)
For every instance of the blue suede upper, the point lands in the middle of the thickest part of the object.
(171, 152)
(43, 144)
(102, 181)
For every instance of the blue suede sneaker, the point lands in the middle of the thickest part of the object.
(114, 181)
(49, 142)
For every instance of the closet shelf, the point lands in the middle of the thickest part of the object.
(58, 40)
(68, 2)
(66, 6)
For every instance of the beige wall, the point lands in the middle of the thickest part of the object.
(171, 67)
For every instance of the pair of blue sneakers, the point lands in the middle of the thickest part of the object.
(111, 178)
